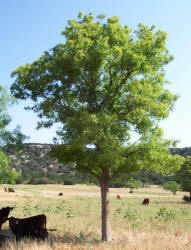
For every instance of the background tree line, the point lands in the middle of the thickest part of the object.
(35, 166)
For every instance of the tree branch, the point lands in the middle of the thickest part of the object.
(109, 97)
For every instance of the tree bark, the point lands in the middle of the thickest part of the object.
(106, 229)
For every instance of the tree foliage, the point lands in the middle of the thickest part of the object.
(12, 138)
(101, 84)
(132, 184)
(171, 186)
(184, 175)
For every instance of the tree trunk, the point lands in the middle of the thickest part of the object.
(143, 179)
(106, 229)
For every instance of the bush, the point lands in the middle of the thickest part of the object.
(171, 186)
(132, 184)
(69, 182)
(165, 213)
(131, 215)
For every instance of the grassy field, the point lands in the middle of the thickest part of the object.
(164, 224)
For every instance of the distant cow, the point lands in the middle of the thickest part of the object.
(60, 194)
(146, 201)
(5, 190)
(11, 190)
(4, 213)
(34, 226)
(118, 197)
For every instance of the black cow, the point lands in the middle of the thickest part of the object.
(60, 194)
(4, 213)
(11, 190)
(34, 227)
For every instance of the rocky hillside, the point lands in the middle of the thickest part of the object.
(36, 167)
(34, 157)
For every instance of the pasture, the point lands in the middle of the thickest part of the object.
(164, 224)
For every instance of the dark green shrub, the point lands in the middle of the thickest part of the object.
(186, 198)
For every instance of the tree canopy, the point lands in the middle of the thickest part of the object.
(132, 184)
(184, 175)
(171, 186)
(102, 84)
(7, 137)
(10, 138)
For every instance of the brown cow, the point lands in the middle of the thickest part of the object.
(34, 226)
(146, 201)
(5, 190)
(118, 197)
(4, 213)
(60, 194)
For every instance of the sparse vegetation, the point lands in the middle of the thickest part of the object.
(76, 216)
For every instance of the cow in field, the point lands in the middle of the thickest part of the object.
(4, 213)
(34, 227)
(146, 201)
(118, 197)
(60, 194)
(5, 190)
(11, 190)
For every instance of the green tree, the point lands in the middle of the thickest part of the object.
(10, 138)
(132, 184)
(184, 175)
(7, 175)
(102, 84)
(171, 186)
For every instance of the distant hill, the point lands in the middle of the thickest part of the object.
(181, 151)
(36, 167)
(35, 158)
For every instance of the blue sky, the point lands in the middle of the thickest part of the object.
(28, 28)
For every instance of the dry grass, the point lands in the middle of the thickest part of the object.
(76, 215)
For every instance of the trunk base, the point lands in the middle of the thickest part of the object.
(106, 230)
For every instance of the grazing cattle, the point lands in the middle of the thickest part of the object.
(60, 194)
(11, 190)
(118, 197)
(4, 213)
(5, 190)
(146, 202)
(34, 226)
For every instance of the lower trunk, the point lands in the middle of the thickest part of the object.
(106, 229)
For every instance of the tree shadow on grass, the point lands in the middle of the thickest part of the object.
(53, 238)
(168, 202)
(5, 236)
(82, 238)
